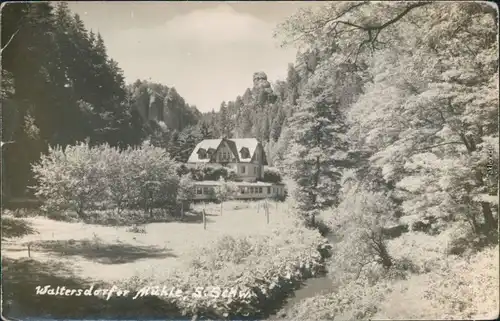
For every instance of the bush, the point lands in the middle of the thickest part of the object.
(466, 290)
(137, 229)
(394, 231)
(226, 191)
(14, 227)
(424, 225)
(355, 301)
(264, 268)
(186, 192)
(464, 241)
(323, 228)
(271, 175)
(358, 222)
(281, 198)
(209, 172)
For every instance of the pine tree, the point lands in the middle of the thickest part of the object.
(292, 82)
(189, 137)
(277, 124)
(205, 131)
(318, 145)
(224, 121)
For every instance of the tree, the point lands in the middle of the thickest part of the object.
(318, 142)
(205, 131)
(186, 192)
(225, 191)
(277, 125)
(70, 178)
(245, 124)
(292, 82)
(173, 145)
(434, 148)
(352, 28)
(224, 121)
(189, 137)
(359, 221)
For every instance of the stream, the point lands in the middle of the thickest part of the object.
(312, 287)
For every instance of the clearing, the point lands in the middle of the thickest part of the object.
(110, 254)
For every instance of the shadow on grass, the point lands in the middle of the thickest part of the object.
(13, 227)
(135, 217)
(101, 253)
(21, 277)
(22, 203)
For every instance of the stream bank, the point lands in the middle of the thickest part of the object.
(311, 287)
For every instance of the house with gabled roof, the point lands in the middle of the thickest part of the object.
(245, 156)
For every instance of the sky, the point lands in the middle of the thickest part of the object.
(208, 51)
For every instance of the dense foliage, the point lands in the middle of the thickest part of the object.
(421, 137)
(208, 172)
(408, 100)
(59, 86)
(85, 179)
(214, 172)
(271, 175)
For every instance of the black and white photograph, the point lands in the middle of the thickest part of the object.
(250, 160)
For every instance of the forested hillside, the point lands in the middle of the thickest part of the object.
(264, 111)
(261, 111)
(59, 86)
(408, 112)
(396, 126)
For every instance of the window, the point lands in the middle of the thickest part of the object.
(260, 190)
(202, 153)
(268, 190)
(243, 169)
(245, 153)
(199, 191)
(255, 170)
(205, 190)
(242, 190)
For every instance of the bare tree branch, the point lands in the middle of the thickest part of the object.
(325, 22)
(399, 16)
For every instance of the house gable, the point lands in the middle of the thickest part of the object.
(259, 156)
(209, 145)
(226, 145)
(244, 150)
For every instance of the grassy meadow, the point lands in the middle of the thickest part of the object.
(77, 255)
